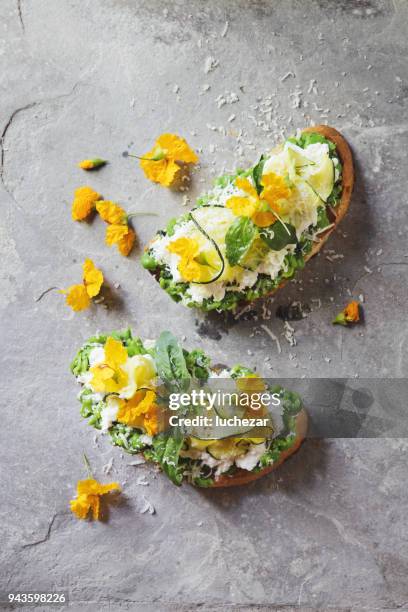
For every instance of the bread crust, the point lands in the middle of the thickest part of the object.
(335, 214)
(346, 159)
(243, 477)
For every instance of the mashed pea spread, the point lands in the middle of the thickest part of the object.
(126, 384)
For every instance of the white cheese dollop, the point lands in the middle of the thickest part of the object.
(109, 413)
(251, 458)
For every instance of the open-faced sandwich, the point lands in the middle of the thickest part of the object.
(251, 233)
(126, 386)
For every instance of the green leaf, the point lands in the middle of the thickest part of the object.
(197, 363)
(171, 457)
(170, 226)
(322, 218)
(257, 173)
(166, 452)
(308, 138)
(278, 235)
(170, 363)
(239, 238)
(204, 482)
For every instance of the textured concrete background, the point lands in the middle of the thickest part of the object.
(83, 78)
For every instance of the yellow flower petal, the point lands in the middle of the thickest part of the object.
(191, 270)
(275, 188)
(81, 209)
(133, 413)
(80, 506)
(160, 163)
(163, 171)
(84, 203)
(115, 233)
(185, 247)
(107, 380)
(77, 297)
(177, 148)
(86, 164)
(93, 278)
(245, 185)
(87, 193)
(89, 492)
(108, 376)
(242, 207)
(115, 353)
(92, 164)
(125, 244)
(263, 219)
(111, 212)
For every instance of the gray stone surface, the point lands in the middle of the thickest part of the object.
(83, 78)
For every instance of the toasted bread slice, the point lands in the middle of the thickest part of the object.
(243, 477)
(335, 214)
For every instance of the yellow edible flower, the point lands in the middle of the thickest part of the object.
(189, 266)
(162, 163)
(111, 212)
(108, 376)
(350, 314)
(140, 411)
(92, 164)
(78, 296)
(84, 203)
(121, 235)
(125, 244)
(93, 278)
(274, 188)
(262, 208)
(89, 492)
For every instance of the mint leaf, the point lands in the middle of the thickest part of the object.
(170, 363)
(257, 173)
(239, 238)
(278, 235)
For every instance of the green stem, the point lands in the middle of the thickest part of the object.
(145, 158)
(45, 293)
(142, 214)
(87, 465)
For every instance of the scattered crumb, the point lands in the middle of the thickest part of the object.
(107, 468)
(286, 76)
(289, 333)
(210, 64)
(148, 507)
(142, 481)
(273, 337)
(138, 460)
